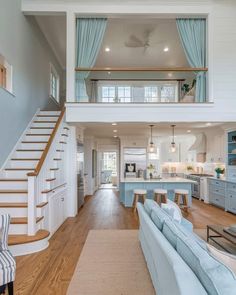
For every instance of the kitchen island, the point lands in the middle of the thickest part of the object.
(127, 187)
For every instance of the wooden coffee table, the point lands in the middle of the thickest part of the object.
(219, 233)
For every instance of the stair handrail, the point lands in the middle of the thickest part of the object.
(49, 143)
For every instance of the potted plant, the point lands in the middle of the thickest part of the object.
(219, 171)
(150, 169)
(185, 88)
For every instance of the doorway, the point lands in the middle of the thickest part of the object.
(108, 170)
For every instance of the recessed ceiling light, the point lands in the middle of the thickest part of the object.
(166, 49)
(107, 49)
(114, 124)
(115, 136)
(208, 124)
(188, 131)
(114, 130)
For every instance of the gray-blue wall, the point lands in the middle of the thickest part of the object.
(26, 49)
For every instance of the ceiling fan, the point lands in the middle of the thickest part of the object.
(135, 42)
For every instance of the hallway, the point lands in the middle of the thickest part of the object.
(49, 272)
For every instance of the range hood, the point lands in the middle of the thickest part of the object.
(200, 144)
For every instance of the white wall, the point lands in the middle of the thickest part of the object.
(222, 60)
(25, 48)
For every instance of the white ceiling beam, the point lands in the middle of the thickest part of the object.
(112, 10)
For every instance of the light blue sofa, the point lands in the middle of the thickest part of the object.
(177, 259)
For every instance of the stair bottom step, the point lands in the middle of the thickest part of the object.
(23, 239)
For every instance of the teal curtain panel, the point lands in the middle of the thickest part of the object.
(192, 34)
(89, 33)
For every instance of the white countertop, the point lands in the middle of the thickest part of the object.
(162, 180)
(221, 179)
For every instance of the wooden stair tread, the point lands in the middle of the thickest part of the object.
(13, 191)
(63, 142)
(52, 189)
(20, 205)
(24, 239)
(64, 135)
(66, 128)
(13, 179)
(52, 169)
(24, 159)
(50, 179)
(57, 159)
(60, 151)
(23, 220)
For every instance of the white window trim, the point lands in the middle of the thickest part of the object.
(9, 75)
(54, 71)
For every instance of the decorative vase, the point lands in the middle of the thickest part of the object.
(218, 175)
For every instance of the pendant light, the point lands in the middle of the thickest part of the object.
(151, 146)
(173, 145)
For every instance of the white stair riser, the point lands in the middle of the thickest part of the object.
(27, 155)
(23, 164)
(29, 248)
(36, 138)
(35, 124)
(17, 174)
(21, 229)
(40, 131)
(49, 113)
(19, 212)
(53, 119)
(22, 185)
(16, 198)
(32, 146)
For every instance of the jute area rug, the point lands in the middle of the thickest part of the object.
(111, 263)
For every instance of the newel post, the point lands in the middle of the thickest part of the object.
(32, 210)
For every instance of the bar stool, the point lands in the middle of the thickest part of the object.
(181, 194)
(160, 195)
(137, 194)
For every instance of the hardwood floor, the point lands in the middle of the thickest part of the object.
(49, 272)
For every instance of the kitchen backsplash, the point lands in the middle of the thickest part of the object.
(208, 168)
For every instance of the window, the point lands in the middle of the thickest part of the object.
(108, 93)
(5, 74)
(151, 93)
(137, 91)
(54, 84)
(124, 93)
(109, 161)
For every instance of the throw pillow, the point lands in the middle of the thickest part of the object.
(227, 259)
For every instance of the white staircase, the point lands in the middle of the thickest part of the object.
(32, 171)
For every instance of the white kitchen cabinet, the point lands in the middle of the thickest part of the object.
(215, 148)
(167, 156)
(56, 210)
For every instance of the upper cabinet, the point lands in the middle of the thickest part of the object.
(231, 155)
(215, 148)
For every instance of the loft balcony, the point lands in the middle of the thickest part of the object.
(123, 94)
(141, 85)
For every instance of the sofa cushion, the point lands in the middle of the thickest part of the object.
(149, 205)
(173, 230)
(158, 216)
(216, 278)
(173, 210)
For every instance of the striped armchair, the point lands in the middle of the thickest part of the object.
(7, 262)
